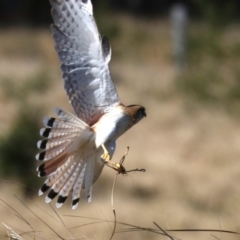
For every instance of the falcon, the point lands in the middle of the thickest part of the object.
(77, 146)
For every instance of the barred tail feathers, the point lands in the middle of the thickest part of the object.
(78, 187)
(68, 152)
(88, 179)
(94, 167)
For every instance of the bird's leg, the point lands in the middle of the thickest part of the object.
(105, 156)
(116, 166)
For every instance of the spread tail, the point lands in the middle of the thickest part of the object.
(68, 156)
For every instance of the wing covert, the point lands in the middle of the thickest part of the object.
(84, 64)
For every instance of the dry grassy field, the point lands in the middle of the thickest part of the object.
(188, 145)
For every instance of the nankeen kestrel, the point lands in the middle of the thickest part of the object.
(78, 146)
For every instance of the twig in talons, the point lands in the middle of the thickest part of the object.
(124, 156)
(137, 170)
(114, 212)
(115, 224)
(120, 168)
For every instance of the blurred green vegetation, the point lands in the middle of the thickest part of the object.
(212, 74)
(20, 43)
(36, 13)
(217, 12)
(18, 146)
(38, 83)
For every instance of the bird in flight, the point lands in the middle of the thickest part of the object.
(76, 147)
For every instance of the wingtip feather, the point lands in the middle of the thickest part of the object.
(58, 205)
(75, 207)
(41, 144)
(57, 110)
(43, 189)
(51, 195)
(89, 199)
(40, 156)
(44, 132)
(75, 203)
(40, 192)
(61, 200)
(48, 122)
(47, 199)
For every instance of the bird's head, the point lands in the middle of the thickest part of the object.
(137, 112)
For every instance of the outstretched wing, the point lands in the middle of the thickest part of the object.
(84, 56)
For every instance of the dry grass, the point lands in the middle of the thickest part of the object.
(191, 153)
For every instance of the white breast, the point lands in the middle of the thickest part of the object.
(111, 126)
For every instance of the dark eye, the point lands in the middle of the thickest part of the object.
(142, 112)
(84, 1)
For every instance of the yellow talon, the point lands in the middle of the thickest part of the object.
(105, 156)
(116, 166)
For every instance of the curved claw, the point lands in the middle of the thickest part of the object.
(105, 156)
